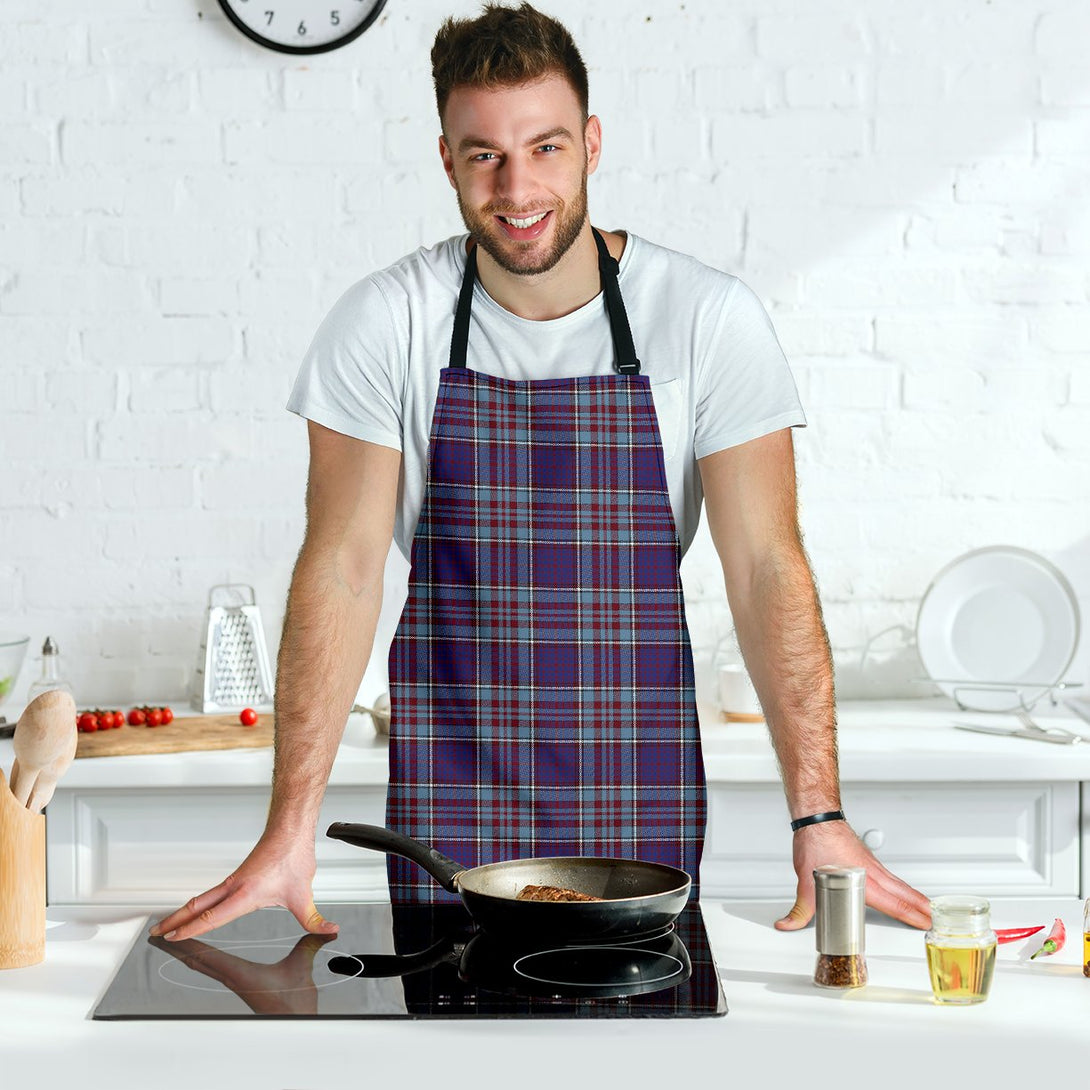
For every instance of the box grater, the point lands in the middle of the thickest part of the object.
(233, 666)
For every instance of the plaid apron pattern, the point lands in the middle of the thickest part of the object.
(541, 674)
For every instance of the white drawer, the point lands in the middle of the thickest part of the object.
(995, 839)
(160, 847)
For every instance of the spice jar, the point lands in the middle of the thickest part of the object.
(960, 949)
(840, 902)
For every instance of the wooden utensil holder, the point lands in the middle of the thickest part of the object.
(22, 883)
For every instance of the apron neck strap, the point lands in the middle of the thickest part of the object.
(624, 351)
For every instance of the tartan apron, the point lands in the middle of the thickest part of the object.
(541, 676)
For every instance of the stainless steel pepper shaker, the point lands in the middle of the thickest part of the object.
(839, 908)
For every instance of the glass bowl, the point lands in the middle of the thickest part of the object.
(12, 652)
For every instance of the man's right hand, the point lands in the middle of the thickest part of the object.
(274, 873)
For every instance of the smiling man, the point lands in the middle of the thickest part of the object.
(536, 411)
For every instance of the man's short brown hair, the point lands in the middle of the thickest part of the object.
(504, 47)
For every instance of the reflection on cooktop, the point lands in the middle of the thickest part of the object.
(410, 962)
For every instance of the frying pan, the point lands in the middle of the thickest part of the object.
(637, 897)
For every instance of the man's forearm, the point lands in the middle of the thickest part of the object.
(777, 617)
(329, 630)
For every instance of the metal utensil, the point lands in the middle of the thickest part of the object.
(1056, 735)
(233, 668)
(1027, 721)
(380, 713)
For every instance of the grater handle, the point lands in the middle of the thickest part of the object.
(232, 587)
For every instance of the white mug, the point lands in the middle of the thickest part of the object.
(738, 701)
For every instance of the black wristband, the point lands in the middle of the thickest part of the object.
(816, 819)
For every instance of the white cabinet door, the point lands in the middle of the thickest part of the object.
(160, 847)
(995, 839)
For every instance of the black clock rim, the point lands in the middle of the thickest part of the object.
(300, 50)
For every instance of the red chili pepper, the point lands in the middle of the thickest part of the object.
(1013, 934)
(1055, 940)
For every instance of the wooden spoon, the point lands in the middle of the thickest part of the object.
(45, 743)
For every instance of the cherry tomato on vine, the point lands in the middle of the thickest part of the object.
(247, 717)
(168, 716)
(137, 717)
(154, 717)
(87, 722)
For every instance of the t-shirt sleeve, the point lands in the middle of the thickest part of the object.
(351, 379)
(745, 388)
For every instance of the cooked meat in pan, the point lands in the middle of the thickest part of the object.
(552, 893)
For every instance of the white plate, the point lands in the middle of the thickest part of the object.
(997, 628)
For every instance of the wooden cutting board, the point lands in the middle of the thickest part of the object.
(186, 732)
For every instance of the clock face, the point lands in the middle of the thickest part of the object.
(302, 26)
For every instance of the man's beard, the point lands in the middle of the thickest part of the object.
(522, 261)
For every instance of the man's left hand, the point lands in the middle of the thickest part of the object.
(834, 842)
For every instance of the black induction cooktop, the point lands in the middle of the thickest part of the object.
(410, 962)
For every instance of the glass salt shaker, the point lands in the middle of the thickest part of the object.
(51, 672)
(839, 908)
(961, 949)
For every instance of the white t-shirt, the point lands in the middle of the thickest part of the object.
(718, 374)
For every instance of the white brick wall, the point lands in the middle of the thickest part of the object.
(904, 187)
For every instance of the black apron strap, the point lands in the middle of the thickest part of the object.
(459, 339)
(624, 351)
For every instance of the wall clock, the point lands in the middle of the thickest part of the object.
(302, 26)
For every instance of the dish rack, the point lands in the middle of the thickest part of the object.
(1019, 693)
(1022, 695)
(233, 665)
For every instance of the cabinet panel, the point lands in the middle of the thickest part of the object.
(160, 847)
(997, 839)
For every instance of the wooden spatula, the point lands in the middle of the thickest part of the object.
(45, 743)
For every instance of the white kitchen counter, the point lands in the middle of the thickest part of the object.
(780, 1030)
(880, 742)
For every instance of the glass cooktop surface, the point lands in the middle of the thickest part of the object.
(410, 962)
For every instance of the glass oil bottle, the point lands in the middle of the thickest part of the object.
(960, 949)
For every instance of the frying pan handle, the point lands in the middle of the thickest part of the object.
(380, 839)
(386, 965)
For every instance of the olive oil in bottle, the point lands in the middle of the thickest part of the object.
(960, 974)
(960, 949)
